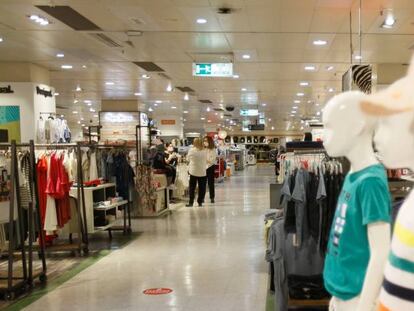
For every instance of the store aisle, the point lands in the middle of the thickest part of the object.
(212, 258)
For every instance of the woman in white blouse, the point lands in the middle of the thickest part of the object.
(211, 165)
(197, 158)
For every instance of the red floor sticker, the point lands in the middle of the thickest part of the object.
(157, 291)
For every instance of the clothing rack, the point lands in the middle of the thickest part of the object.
(24, 282)
(83, 240)
(127, 227)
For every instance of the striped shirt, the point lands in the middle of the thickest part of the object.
(397, 293)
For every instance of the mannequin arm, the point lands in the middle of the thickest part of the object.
(379, 236)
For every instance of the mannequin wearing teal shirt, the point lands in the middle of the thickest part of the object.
(360, 234)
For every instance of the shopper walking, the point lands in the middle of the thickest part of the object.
(197, 158)
(211, 165)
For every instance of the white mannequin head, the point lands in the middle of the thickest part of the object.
(345, 124)
(394, 140)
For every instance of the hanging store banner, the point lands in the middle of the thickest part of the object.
(212, 69)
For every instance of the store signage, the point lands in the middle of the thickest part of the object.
(6, 90)
(167, 122)
(157, 291)
(256, 127)
(118, 117)
(43, 92)
(249, 112)
(213, 69)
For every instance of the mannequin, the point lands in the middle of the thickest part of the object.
(394, 140)
(360, 235)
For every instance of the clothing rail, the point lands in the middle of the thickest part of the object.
(83, 240)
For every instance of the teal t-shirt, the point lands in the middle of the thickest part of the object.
(364, 199)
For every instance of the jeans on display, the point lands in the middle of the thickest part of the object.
(202, 183)
(211, 171)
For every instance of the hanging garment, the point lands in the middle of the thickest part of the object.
(299, 196)
(24, 182)
(41, 131)
(364, 200)
(93, 169)
(124, 175)
(85, 166)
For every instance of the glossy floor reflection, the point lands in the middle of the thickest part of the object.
(212, 258)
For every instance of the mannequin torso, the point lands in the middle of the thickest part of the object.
(349, 133)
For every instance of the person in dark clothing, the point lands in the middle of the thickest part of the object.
(158, 162)
(211, 165)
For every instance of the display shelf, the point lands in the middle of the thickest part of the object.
(112, 206)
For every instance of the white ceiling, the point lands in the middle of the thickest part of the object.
(278, 34)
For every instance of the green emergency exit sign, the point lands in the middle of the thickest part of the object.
(212, 69)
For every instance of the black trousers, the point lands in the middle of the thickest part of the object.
(201, 181)
(170, 171)
(211, 171)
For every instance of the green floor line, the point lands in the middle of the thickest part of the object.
(52, 285)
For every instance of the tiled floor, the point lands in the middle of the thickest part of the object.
(212, 258)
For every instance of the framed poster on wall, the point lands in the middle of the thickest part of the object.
(9, 123)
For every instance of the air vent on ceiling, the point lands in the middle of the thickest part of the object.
(205, 101)
(218, 109)
(227, 114)
(185, 89)
(70, 17)
(61, 107)
(224, 10)
(149, 66)
(105, 40)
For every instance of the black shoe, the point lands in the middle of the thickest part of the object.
(212, 201)
(189, 205)
(200, 204)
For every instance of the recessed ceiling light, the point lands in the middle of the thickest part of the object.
(169, 88)
(56, 94)
(318, 113)
(208, 109)
(156, 105)
(66, 66)
(145, 76)
(185, 120)
(89, 104)
(296, 101)
(389, 21)
(79, 122)
(293, 111)
(273, 128)
(185, 111)
(87, 101)
(295, 107)
(320, 42)
(38, 19)
(74, 112)
(329, 68)
(60, 55)
(331, 90)
(186, 96)
(270, 120)
(92, 110)
(158, 101)
(244, 89)
(300, 94)
(292, 115)
(246, 56)
(84, 66)
(264, 104)
(173, 107)
(76, 101)
(84, 125)
(304, 83)
(358, 57)
(202, 118)
(1, 39)
(78, 89)
(310, 68)
(109, 83)
(96, 116)
(201, 21)
(82, 119)
(236, 76)
(138, 94)
(150, 109)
